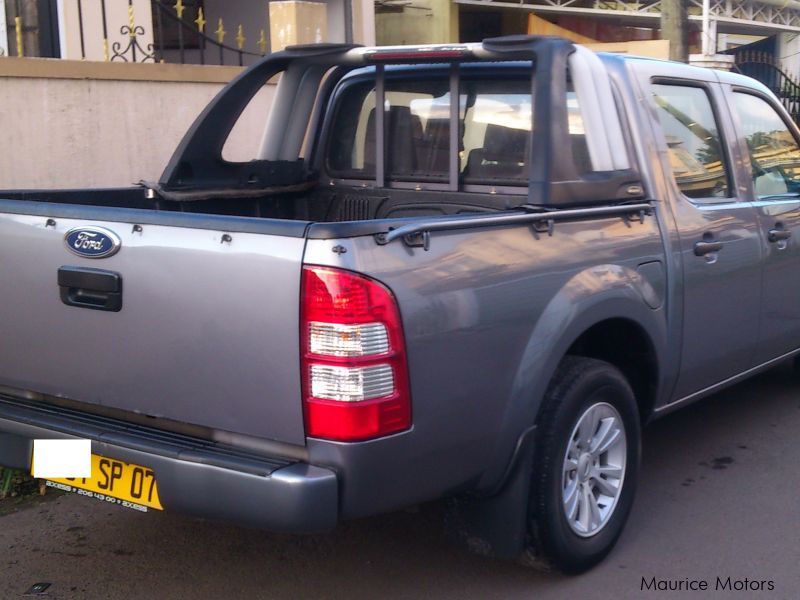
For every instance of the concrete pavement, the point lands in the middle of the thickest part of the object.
(719, 497)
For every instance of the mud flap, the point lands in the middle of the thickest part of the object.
(496, 525)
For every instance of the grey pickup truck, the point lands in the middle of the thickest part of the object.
(470, 272)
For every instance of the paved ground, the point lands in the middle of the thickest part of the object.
(720, 497)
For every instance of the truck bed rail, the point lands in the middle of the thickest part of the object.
(418, 234)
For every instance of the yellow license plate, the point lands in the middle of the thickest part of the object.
(115, 482)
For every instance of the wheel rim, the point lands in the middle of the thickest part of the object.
(594, 469)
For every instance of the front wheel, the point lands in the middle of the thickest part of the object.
(586, 464)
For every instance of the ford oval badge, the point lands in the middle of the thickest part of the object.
(92, 242)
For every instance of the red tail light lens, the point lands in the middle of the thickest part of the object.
(354, 369)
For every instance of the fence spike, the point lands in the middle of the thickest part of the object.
(179, 8)
(131, 21)
(200, 20)
(220, 32)
(18, 26)
(240, 38)
(262, 42)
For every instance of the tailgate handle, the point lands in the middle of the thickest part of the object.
(90, 288)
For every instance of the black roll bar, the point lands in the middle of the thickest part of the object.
(197, 163)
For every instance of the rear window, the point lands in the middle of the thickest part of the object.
(417, 121)
(494, 130)
(497, 130)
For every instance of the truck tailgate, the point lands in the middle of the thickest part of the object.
(207, 333)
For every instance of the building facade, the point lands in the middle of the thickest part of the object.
(729, 23)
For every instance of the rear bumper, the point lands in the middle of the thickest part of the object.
(195, 477)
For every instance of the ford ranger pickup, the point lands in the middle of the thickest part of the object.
(467, 271)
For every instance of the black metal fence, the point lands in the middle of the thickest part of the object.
(180, 34)
(765, 68)
(178, 30)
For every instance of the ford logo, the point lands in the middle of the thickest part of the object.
(92, 242)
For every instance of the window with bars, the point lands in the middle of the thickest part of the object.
(489, 130)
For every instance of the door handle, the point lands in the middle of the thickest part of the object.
(778, 235)
(705, 247)
(95, 289)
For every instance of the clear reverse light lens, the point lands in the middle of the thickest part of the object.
(335, 339)
(351, 384)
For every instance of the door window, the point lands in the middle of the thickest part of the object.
(693, 140)
(774, 153)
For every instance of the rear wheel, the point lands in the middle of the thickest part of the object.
(586, 464)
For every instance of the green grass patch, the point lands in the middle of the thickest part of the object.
(14, 482)
(19, 490)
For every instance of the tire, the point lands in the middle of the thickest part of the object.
(584, 392)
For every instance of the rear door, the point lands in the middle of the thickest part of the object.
(720, 248)
(206, 331)
(773, 184)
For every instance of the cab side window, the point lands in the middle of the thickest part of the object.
(774, 152)
(693, 140)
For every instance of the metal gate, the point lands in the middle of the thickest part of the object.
(764, 68)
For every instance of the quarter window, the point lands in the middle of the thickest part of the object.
(693, 140)
(774, 153)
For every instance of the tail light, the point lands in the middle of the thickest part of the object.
(354, 370)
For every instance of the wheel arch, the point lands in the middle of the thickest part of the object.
(600, 301)
(593, 304)
(625, 344)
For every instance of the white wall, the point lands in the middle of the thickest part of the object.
(3, 29)
(789, 53)
(82, 132)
